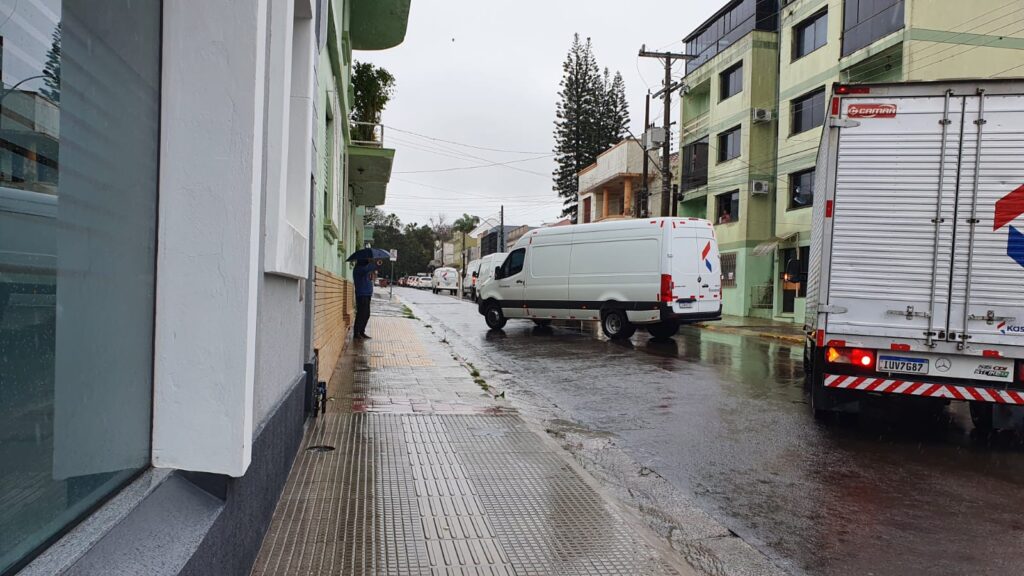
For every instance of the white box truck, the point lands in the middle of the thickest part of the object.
(652, 272)
(915, 284)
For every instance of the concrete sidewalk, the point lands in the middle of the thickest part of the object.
(764, 328)
(418, 469)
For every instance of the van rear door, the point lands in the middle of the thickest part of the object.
(696, 273)
(709, 270)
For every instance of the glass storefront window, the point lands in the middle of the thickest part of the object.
(79, 140)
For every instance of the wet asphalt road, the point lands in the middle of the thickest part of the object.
(723, 417)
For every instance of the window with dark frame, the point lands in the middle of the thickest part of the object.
(810, 35)
(729, 144)
(801, 189)
(808, 111)
(731, 81)
(727, 261)
(727, 207)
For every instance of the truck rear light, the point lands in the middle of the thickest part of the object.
(859, 357)
(666, 288)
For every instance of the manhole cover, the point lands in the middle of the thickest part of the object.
(320, 448)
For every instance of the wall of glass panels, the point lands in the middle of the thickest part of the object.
(865, 21)
(79, 139)
(734, 22)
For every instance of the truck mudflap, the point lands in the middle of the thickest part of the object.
(925, 389)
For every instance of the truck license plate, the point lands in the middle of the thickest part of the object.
(902, 365)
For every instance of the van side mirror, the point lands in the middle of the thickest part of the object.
(793, 271)
(476, 274)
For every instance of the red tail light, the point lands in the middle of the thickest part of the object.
(666, 288)
(859, 357)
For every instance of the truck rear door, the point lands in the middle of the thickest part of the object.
(987, 303)
(893, 215)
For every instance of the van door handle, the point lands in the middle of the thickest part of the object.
(519, 281)
(703, 285)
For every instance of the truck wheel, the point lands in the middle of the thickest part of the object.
(663, 330)
(616, 326)
(981, 416)
(494, 317)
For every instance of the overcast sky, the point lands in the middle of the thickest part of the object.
(485, 73)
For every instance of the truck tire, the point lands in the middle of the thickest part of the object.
(663, 330)
(823, 401)
(981, 416)
(494, 317)
(616, 325)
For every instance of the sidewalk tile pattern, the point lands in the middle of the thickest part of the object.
(428, 476)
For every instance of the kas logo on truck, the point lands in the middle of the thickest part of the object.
(871, 111)
(1005, 328)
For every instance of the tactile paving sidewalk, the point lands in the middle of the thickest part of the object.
(429, 475)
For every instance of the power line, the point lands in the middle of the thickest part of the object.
(491, 165)
(461, 143)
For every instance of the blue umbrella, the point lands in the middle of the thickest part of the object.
(369, 254)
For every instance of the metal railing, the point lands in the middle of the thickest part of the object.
(762, 296)
(368, 134)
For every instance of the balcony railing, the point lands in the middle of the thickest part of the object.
(369, 134)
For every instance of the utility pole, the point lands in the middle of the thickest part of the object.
(666, 94)
(644, 192)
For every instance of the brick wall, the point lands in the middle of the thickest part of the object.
(332, 316)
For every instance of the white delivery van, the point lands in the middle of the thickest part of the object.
(469, 279)
(916, 273)
(445, 279)
(654, 272)
(487, 265)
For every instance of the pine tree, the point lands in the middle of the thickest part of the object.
(591, 115)
(51, 70)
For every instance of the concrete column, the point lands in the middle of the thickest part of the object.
(604, 202)
(627, 196)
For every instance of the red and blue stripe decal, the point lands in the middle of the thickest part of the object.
(1008, 208)
(707, 261)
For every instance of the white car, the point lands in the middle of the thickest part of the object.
(469, 279)
(445, 278)
(654, 272)
(423, 281)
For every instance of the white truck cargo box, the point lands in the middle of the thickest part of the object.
(916, 275)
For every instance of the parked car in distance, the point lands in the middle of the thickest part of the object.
(653, 272)
(445, 278)
(423, 281)
(487, 265)
(469, 279)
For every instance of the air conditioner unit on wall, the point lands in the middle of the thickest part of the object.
(762, 115)
(760, 186)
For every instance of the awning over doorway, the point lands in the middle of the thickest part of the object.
(768, 247)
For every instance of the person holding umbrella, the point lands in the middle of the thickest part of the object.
(363, 275)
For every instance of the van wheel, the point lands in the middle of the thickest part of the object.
(663, 330)
(494, 318)
(981, 416)
(616, 326)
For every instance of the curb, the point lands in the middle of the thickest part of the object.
(790, 338)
